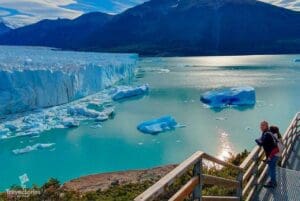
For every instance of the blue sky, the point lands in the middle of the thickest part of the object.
(16, 13)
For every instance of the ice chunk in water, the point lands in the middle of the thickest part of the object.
(155, 126)
(33, 148)
(127, 92)
(82, 111)
(237, 96)
(70, 122)
(4, 132)
(11, 127)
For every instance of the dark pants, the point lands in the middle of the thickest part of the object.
(272, 169)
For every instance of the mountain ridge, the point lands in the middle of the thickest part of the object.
(182, 27)
(4, 28)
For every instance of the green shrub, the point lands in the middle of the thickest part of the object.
(52, 191)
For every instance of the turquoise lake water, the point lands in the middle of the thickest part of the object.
(176, 85)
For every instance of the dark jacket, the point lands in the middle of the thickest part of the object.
(269, 144)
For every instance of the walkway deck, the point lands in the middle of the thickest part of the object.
(288, 188)
(293, 162)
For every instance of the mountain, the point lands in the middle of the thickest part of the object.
(62, 33)
(4, 28)
(177, 27)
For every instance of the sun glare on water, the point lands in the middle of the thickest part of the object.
(225, 149)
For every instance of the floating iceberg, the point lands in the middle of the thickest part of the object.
(98, 116)
(33, 148)
(32, 78)
(82, 111)
(11, 127)
(4, 132)
(238, 96)
(128, 92)
(155, 126)
(70, 122)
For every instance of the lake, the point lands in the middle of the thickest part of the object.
(176, 85)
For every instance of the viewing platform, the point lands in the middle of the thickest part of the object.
(248, 184)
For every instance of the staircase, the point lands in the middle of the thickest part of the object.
(251, 175)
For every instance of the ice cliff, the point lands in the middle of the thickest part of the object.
(33, 78)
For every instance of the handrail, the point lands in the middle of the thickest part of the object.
(250, 173)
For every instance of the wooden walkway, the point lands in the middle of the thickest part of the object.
(248, 183)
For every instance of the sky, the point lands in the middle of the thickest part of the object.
(17, 13)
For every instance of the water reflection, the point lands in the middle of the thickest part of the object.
(225, 149)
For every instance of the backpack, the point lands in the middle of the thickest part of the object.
(280, 144)
(277, 142)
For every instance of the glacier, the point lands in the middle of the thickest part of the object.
(236, 96)
(37, 77)
(155, 126)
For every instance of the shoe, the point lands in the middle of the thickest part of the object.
(270, 185)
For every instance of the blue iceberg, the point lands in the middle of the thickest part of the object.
(155, 126)
(237, 96)
(70, 122)
(128, 92)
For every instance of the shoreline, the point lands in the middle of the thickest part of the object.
(104, 181)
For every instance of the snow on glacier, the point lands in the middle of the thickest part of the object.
(236, 96)
(32, 77)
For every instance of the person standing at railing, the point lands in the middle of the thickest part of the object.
(269, 144)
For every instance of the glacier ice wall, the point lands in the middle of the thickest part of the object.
(32, 78)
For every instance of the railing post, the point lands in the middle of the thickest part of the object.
(239, 191)
(255, 170)
(197, 171)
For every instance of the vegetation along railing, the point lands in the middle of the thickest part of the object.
(249, 175)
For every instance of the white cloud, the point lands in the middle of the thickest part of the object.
(30, 11)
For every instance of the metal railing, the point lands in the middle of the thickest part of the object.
(250, 173)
